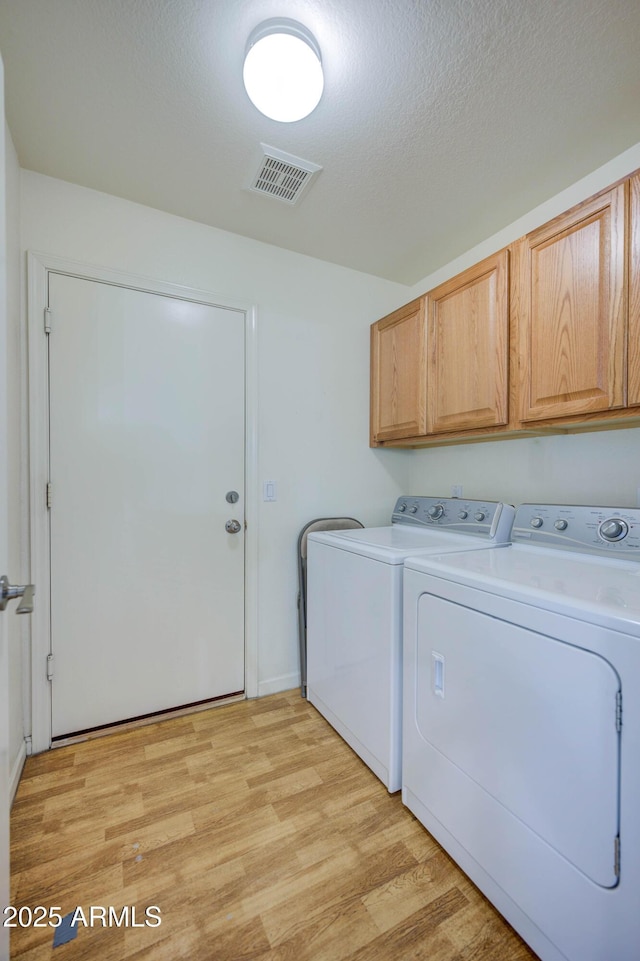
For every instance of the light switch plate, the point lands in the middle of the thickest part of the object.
(269, 490)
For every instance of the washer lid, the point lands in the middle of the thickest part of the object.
(590, 588)
(393, 544)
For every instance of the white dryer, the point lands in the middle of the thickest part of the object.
(521, 750)
(354, 615)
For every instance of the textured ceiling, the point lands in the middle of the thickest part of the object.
(441, 120)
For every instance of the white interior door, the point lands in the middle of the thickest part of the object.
(146, 440)
(4, 678)
(4, 655)
(4, 658)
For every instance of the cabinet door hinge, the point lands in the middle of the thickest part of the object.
(49, 495)
(616, 856)
(619, 711)
(49, 667)
(47, 320)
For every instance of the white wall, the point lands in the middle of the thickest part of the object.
(313, 375)
(598, 468)
(594, 468)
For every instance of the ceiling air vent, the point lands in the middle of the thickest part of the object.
(283, 176)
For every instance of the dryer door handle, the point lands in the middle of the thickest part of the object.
(438, 673)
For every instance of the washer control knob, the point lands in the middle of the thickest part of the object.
(414, 509)
(402, 508)
(536, 522)
(479, 516)
(613, 529)
(436, 511)
(463, 515)
(561, 524)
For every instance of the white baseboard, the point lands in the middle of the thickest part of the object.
(277, 684)
(16, 771)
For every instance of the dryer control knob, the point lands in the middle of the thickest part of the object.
(536, 522)
(613, 529)
(479, 516)
(463, 515)
(402, 508)
(436, 511)
(414, 509)
(561, 524)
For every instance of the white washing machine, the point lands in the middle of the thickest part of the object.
(354, 615)
(521, 751)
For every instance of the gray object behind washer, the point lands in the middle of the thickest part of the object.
(319, 524)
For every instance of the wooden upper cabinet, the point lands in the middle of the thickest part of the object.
(570, 306)
(468, 346)
(542, 335)
(633, 372)
(398, 374)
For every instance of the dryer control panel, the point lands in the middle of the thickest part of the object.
(594, 530)
(490, 519)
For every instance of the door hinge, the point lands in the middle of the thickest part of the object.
(49, 495)
(619, 711)
(616, 856)
(49, 667)
(47, 320)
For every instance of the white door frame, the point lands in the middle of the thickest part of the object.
(39, 266)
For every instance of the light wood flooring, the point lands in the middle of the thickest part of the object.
(259, 835)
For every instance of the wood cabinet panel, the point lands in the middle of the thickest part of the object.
(571, 311)
(398, 374)
(468, 338)
(633, 370)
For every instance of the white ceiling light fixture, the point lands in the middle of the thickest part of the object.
(283, 70)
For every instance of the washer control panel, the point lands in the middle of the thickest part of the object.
(595, 530)
(490, 519)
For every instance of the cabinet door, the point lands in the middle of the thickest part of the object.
(571, 310)
(634, 297)
(467, 333)
(398, 374)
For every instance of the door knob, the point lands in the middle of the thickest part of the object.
(233, 527)
(10, 591)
